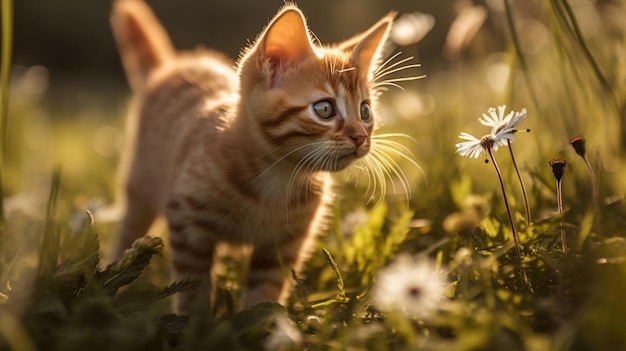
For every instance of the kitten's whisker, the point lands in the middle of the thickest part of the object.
(303, 164)
(392, 82)
(363, 166)
(292, 178)
(384, 64)
(372, 177)
(368, 171)
(343, 70)
(332, 66)
(383, 167)
(310, 163)
(393, 135)
(322, 158)
(387, 83)
(398, 69)
(392, 147)
(377, 178)
(389, 65)
(287, 155)
(400, 79)
(392, 144)
(371, 186)
(399, 173)
(388, 167)
(382, 173)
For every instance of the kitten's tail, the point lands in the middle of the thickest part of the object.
(141, 40)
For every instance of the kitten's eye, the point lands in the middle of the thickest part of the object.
(366, 111)
(324, 109)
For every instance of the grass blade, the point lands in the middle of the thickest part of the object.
(5, 71)
(338, 278)
(518, 52)
(49, 253)
(573, 23)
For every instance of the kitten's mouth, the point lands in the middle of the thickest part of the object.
(361, 151)
(344, 161)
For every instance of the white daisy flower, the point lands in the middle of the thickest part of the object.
(410, 285)
(502, 130)
(502, 127)
(284, 334)
(474, 147)
(495, 118)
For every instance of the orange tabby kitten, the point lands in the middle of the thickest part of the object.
(240, 155)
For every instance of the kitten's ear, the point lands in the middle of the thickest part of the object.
(286, 40)
(367, 47)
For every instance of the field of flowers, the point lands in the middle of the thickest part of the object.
(501, 225)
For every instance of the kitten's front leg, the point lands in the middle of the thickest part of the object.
(270, 267)
(192, 250)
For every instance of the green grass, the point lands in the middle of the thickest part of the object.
(55, 295)
(5, 70)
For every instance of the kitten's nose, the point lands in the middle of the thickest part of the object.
(358, 134)
(358, 139)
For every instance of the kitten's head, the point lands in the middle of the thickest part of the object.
(314, 103)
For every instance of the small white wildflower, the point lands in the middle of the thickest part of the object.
(494, 119)
(410, 285)
(474, 147)
(284, 334)
(503, 129)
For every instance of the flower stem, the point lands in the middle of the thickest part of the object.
(506, 202)
(559, 202)
(521, 182)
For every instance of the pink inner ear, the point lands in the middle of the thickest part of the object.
(277, 59)
(277, 56)
(286, 41)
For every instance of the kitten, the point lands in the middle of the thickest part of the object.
(241, 155)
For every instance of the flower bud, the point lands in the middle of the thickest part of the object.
(558, 168)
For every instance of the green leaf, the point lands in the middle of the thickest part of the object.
(397, 235)
(131, 265)
(460, 189)
(338, 278)
(585, 228)
(174, 288)
(365, 241)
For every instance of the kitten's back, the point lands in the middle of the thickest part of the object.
(180, 98)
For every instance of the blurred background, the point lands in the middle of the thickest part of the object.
(72, 38)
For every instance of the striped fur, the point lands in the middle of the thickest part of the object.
(239, 155)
